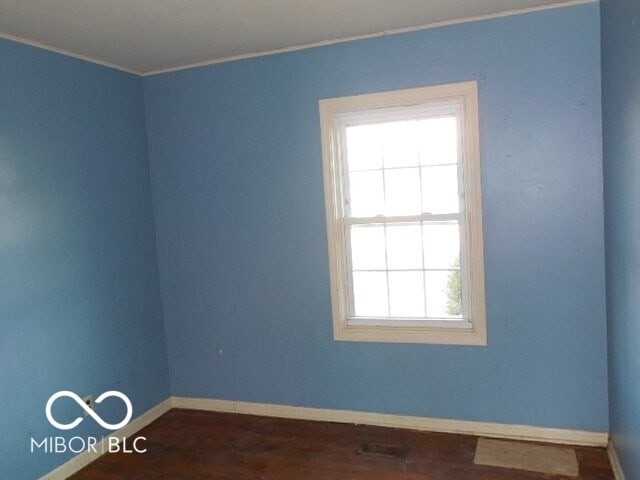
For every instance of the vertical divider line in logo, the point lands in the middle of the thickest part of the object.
(89, 411)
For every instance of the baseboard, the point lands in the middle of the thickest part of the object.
(83, 459)
(616, 466)
(484, 429)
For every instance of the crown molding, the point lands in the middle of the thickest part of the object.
(294, 48)
(66, 53)
(385, 33)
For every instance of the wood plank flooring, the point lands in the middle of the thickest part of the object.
(196, 445)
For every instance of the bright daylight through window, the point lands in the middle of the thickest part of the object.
(404, 215)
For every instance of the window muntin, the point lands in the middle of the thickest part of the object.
(402, 185)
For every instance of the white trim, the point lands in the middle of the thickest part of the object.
(465, 427)
(616, 466)
(275, 51)
(395, 31)
(67, 53)
(83, 459)
(335, 114)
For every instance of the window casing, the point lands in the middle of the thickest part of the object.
(404, 215)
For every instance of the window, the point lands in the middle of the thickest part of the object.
(404, 215)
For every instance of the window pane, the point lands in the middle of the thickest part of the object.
(406, 294)
(444, 293)
(370, 294)
(402, 189)
(364, 147)
(404, 246)
(400, 144)
(438, 141)
(440, 189)
(367, 194)
(441, 245)
(367, 247)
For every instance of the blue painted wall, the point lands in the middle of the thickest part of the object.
(237, 182)
(79, 296)
(621, 116)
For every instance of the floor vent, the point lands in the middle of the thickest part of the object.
(394, 451)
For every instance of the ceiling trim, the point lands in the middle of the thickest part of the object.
(66, 53)
(395, 31)
(294, 48)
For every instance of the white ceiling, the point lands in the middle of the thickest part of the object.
(150, 35)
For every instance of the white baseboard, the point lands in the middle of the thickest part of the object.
(615, 462)
(484, 429)
(83, 459)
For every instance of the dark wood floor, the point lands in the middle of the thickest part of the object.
(195, 445)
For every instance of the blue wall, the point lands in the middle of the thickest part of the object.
(237, 182)
(236, 176)
(79, 294)
(621, 110)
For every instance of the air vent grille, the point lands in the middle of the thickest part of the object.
(384, 450)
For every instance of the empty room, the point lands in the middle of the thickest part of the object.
(326, 240)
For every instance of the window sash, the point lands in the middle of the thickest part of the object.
(430, 110)
(464, 320)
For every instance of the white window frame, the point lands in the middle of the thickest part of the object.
(335, 115)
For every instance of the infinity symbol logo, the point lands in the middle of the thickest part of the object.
(89, 411)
